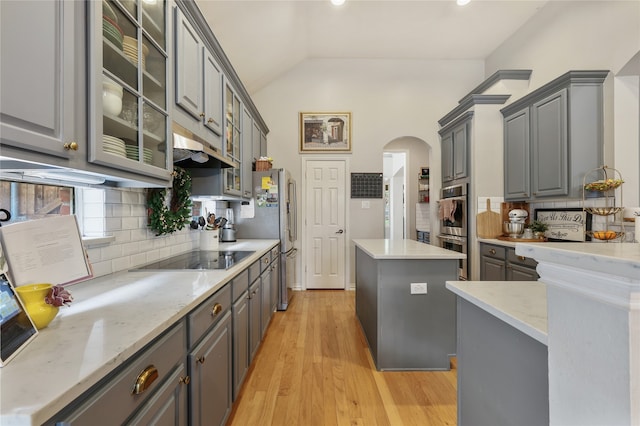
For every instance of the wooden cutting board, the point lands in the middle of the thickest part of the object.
(488, 223)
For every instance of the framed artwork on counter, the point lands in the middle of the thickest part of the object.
(325, 132)
(565, 224)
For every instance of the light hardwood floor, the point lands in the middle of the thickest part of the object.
(314, 368)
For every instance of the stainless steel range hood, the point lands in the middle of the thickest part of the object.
(190, 151)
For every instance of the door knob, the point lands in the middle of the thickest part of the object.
(339, 231)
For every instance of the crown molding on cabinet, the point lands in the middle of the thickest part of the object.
(497, 76)
(469, 101)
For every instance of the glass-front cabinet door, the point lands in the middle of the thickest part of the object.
(233, 139)
(129, 74)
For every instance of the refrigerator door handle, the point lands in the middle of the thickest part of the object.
(293, 216)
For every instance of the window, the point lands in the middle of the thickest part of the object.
(28, 201)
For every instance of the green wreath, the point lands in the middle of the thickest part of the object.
(165, 220)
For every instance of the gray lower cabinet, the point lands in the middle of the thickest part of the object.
(553, 136)
(152, 385)
(240, 320)
(407, 331)
(255, 329)
(210, 359)
(499, 263)
(275, 280)
(40, 79)
(267, 311)
(210, 369)
(502, 372)
(193, 372)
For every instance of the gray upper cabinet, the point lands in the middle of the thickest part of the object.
(212, 93)
(454, 140)
(189, 69)
(40, 78)
(248, 136)
(517, 171)
(198, 84)
(128, 79)
(553, 136)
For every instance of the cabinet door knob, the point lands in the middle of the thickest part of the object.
(266, 261)
(185, 380)
(71, 146)
(522, 258)
(201, 359)
(492, 251)
(217, 308)
(144, 380)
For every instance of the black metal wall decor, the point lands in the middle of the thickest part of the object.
(366, 185)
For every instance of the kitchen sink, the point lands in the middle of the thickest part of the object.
(199, 260)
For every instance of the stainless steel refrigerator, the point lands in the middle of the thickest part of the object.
(274, 206)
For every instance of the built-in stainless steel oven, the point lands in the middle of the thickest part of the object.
(453, 210)
(452, 213)
(459, 244)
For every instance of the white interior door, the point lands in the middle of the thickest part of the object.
(325, 189)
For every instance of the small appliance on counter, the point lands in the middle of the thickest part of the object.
(514, 228)
(228, 232)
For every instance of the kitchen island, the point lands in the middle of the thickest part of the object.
(502, 352)
(407, 315)
(592, 338)
(111, 319)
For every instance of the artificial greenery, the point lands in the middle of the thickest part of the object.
(537, 226)
(166, 220)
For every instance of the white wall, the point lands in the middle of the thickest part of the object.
(388, 99)
(573, 35)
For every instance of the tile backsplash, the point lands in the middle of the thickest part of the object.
(132, 244)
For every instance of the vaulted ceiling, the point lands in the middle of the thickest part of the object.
(265, 38)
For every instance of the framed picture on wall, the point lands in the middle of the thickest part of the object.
(325, 132)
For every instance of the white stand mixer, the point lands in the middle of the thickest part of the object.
(515, 226)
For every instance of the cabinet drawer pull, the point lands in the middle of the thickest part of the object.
(185, 380)
(522, 258)
(210, 120)
(71, 146)
(217, 308)
(492, 251)
(144, 380)
(201, 359)
(202, 115)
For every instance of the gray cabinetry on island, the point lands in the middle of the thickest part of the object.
(553, 136)
(502, 353)
(499, 263)
(407, 315)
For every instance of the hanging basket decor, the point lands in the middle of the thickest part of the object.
(166, 218)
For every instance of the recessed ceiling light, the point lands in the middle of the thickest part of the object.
(462, 2)
(337, 2)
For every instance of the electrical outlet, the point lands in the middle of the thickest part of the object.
(366, 204)
(418, 288)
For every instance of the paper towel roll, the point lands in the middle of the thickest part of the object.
(636, 235)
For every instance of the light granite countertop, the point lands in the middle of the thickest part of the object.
(521, 304)
(619, 259)
(105, 325)
(404, 249)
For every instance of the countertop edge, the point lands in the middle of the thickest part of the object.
(518, 322)
(52, 401)
(385, 249)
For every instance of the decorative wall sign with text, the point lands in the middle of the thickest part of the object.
(568, 224)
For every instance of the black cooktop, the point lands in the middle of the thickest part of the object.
(199, 260)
